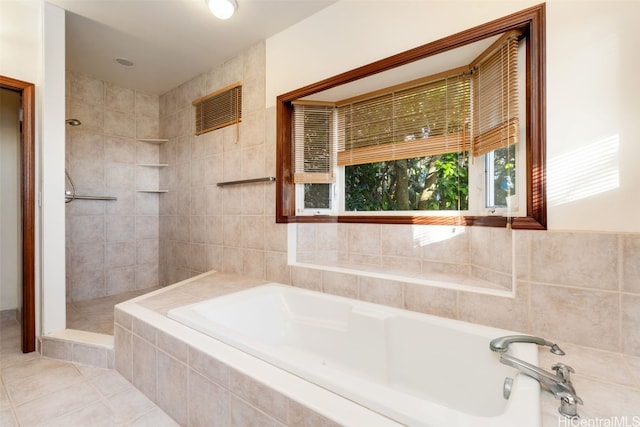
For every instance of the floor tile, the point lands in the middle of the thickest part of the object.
(75, 397)
(38, 391)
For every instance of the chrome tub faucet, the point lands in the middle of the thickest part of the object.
(559, 384)
(502, 344)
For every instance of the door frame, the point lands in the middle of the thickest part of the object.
(27, 198)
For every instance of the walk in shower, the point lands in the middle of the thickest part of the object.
(112, 231)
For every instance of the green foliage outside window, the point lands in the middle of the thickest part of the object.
(425, 183)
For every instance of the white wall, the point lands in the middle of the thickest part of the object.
(10, 243)
(32, 50)
(592, 141)
(52, 160)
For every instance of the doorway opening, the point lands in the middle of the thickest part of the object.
(26, 311)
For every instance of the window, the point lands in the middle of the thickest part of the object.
(218, 109)
(429, 144)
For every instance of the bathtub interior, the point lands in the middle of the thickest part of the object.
(420, 358)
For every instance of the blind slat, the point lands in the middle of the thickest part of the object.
(495, 77)
(428, 119)
(313, 138)
(218, 110)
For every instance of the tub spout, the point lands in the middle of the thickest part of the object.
(559, 384)
(502, 344)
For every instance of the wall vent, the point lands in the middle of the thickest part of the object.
(219, 109)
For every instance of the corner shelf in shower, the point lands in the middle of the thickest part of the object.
(153, 191)
(153, 140)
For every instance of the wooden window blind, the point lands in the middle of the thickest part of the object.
(495, 77)
(314, 130)
(429, 118)
(219, 109)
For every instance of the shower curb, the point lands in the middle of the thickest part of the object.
(80, 347)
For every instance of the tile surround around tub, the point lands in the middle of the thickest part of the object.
(186, 371)
(589, 295)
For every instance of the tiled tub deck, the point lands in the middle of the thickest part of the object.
(173, 366)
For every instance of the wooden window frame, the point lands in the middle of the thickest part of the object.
(530, 22)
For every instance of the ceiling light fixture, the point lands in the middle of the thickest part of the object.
(222, 9)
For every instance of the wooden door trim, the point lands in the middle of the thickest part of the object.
(27, 197)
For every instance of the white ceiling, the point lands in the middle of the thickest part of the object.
(169, 41)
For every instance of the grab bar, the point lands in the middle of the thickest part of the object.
(69, 196)
(248, 181)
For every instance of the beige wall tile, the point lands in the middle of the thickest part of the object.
(500, 312)
(585, 317)
(381, 291)
(87, 229)
(429, 300)
(300, 415)
(147, 104)
(253, 199)
(491, 248)
(257, 394)
(147, 227)
(144, 367)
(275, 235)
(122, 175)
(443, 243)
(120, 254)
(307, 278)
(209, 367)
(586, 260)
(125, 205)
(118, 98)
(398, 241)
(233, 260)
(90, 355)
(208, 402)
(277, 267)
(117, 123)
(172, 394)
(120, 228)
(252, 232)
(197, 229)
(121, 150)
(56, 349)
(146, 276)
(232, 232)
(364, 239)
(630, 321)
(243, 414)
(253, 264)
(341, 284)
(84, 88)
(631, 263)
(253, 162)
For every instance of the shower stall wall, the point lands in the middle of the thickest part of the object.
(111, 245)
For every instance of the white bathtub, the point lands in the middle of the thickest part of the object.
(416, 369)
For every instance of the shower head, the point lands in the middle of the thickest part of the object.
(73, 122)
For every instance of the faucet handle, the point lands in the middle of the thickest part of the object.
(562, 371)
(569, 405)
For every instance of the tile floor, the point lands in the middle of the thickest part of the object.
(96, 315)
(38, 391)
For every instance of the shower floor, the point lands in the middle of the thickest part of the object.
(96, 315)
